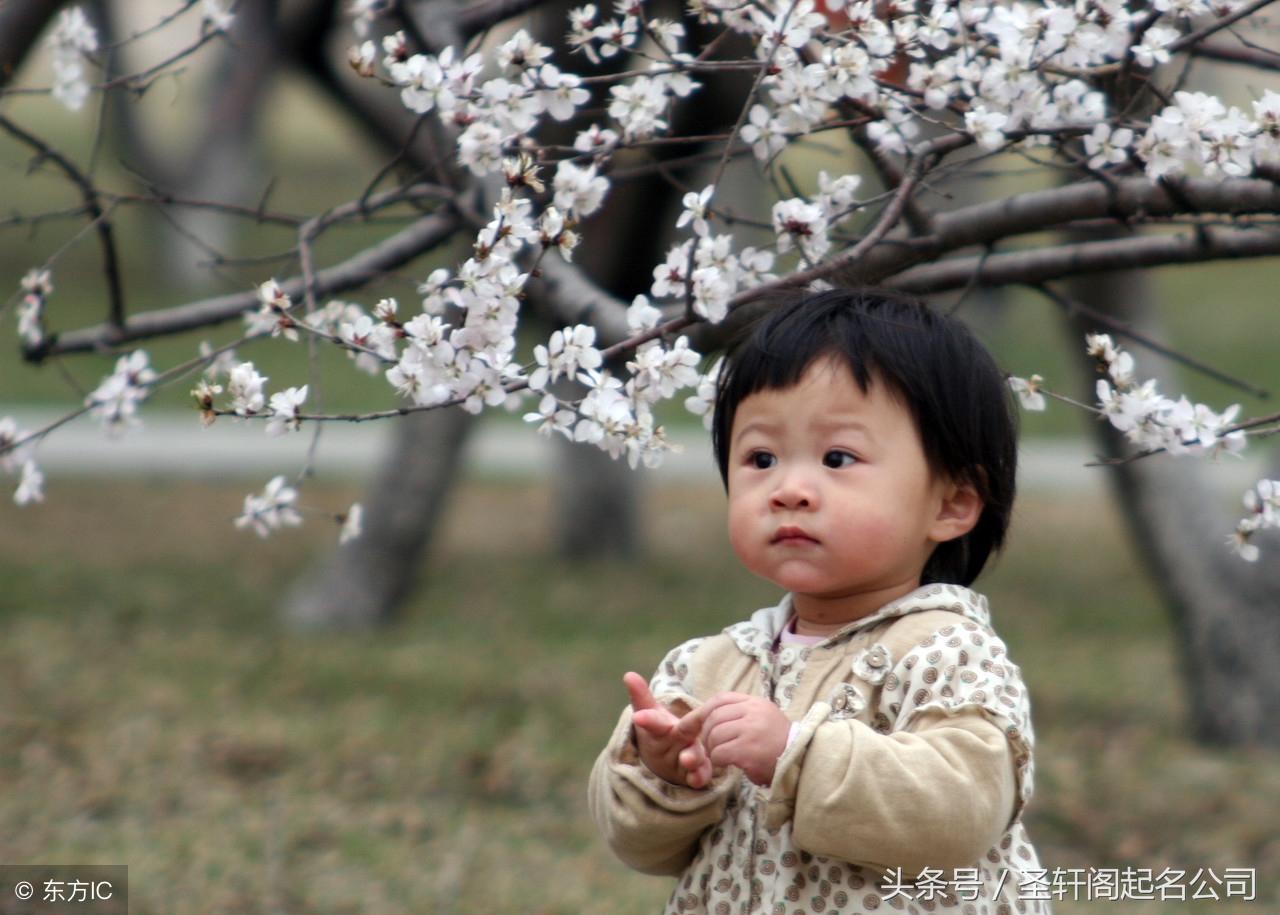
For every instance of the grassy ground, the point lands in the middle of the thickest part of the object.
(151, 712)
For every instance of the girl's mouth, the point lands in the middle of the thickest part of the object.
(792, 535)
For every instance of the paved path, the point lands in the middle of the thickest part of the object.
(174, 444)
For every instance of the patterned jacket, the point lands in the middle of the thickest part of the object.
(903, 787)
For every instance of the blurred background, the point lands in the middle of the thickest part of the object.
(174, 697)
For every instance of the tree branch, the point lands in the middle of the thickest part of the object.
(1036, 211)
(482, 14)
(20, 26)
(1194, 38)
(110, 259)
(1039, 266)
(399, 249)
(1258, 58)
(566, 293)
(1076, 309)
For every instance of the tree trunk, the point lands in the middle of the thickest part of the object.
(1226, 612)
(223, 164)
(364, 583)
(20, 26)
(597, 503)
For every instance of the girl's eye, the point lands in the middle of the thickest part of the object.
(836, 458)
(761, 460)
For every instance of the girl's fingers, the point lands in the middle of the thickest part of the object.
(699, 777)
(692, 757)
(656, 721)
(728, 753)
(692, 724)
(638, 688)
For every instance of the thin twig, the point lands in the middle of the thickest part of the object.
(1074, 307)
(1245, 427)
(110, 260)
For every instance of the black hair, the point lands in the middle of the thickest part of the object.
(932, 363)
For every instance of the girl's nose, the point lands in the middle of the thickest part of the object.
(794, 491)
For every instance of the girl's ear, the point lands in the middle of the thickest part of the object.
(958, 511)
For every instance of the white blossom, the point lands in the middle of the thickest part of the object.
(363, 58)
(245, 386)
(551, 417)
(285, 406)
(364, 12)
(695, 210)
(216, 14)
(764, 133)
(657, 373)
(703, 401)
(1151, 420)
(37, 281)
(521, 52)
(641, 316)
(71, 40)
(1028, 391)
(480, 148)
(987, 126)
(115, 401)
(271, 510)
(30, 485)
(1239, 540)
(595, 139)
(579, 191)
(638, 107)
(1262, 501)
(1106, 146)
(712, 291)
(568, 350)
(799, 222)
(12, 455)
(667, 34)
(352, 524)
(669, 278)
(561, 94)
(1154, 47)
(1266, 141)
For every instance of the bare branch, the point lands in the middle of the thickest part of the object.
(20, 26)
(1258, 58)
(1036, 211)
(1076, 308)
(1194, 38)
(479, 15)
(1246, 426)
(110, 260)
(567, 293)
(418, 238)
(1042, 265)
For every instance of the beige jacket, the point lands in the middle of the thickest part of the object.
(912, 757)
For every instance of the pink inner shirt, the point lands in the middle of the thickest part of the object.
(790, 637)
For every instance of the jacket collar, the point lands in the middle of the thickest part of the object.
(757, 635)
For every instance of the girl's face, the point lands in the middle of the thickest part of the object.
(830, 495)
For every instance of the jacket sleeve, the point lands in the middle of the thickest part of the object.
(651, 824)
(937, 796)
(938, 778)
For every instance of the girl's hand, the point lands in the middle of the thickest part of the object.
(749, 732)
(671, 754)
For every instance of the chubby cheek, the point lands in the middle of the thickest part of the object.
(874, 538)
(745, 535)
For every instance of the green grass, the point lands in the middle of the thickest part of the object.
(154, 714)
